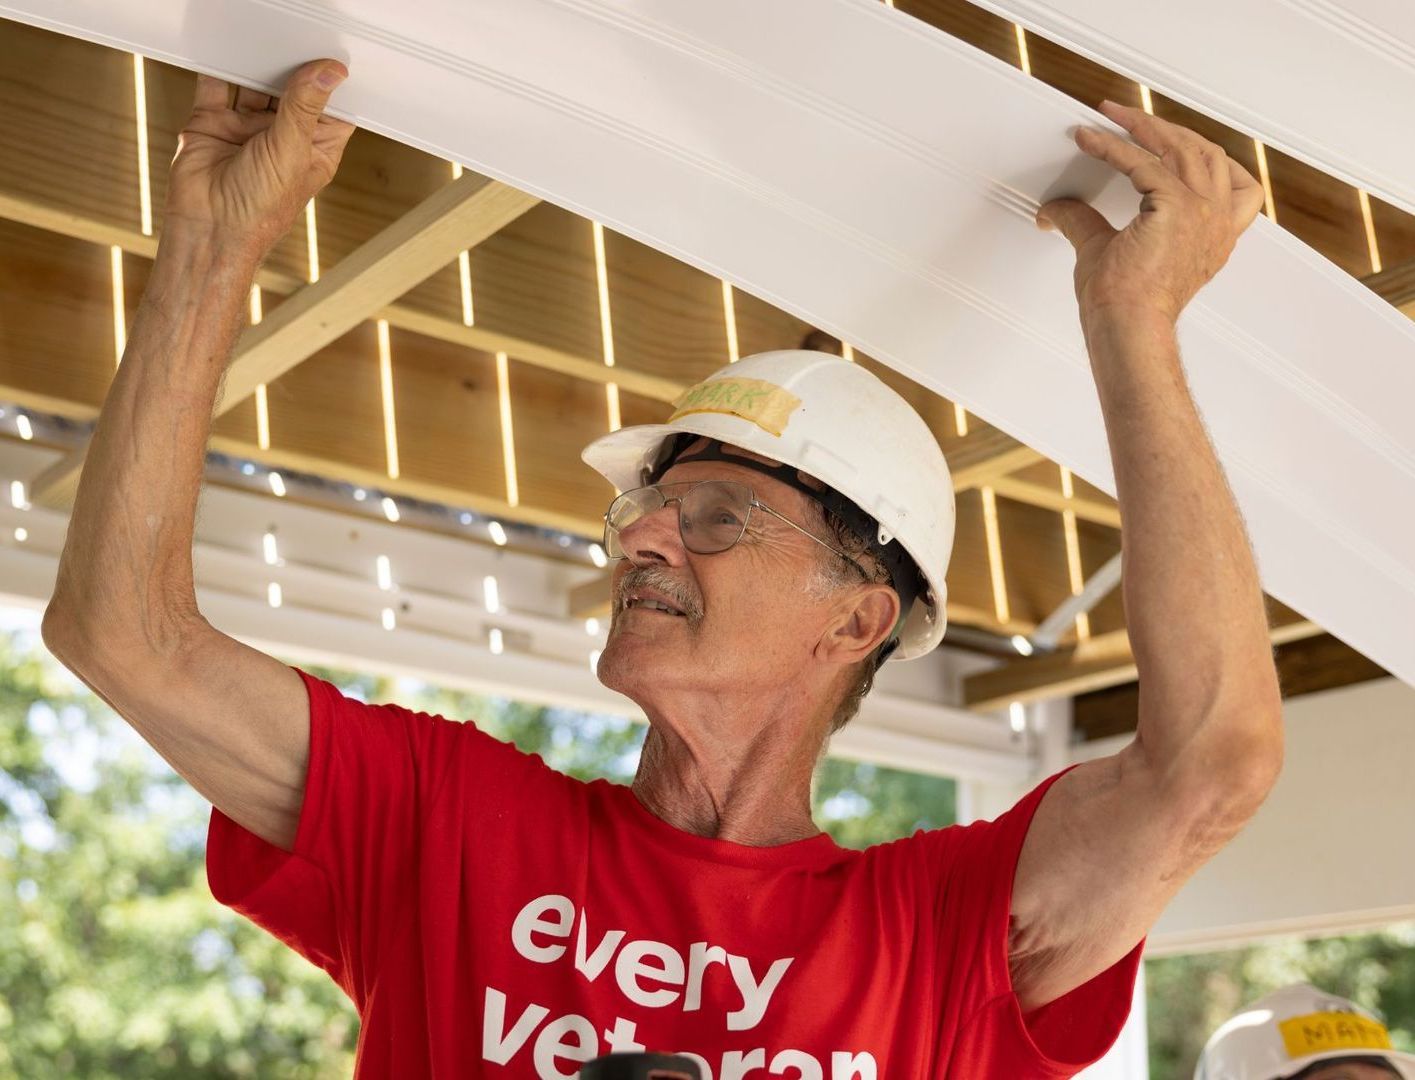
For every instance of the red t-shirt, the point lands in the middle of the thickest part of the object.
(489, 916)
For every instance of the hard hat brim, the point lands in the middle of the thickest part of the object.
(620, 456)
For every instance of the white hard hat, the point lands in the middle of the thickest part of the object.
(1292, 1028)
(836, 422)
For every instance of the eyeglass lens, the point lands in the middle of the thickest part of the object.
(712, 514)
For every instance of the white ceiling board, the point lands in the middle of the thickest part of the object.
(878, 178)
(1327, 81)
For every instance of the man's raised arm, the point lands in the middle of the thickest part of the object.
(124, 618)
(1114, 839)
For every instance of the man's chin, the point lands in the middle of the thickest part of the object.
(628, 660)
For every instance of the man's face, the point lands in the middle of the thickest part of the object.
(752, 618)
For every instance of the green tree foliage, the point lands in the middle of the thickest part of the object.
(114, 960)
(861, 804)
(1190, 996)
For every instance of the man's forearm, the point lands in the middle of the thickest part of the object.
(1192, 596)
(127, 562)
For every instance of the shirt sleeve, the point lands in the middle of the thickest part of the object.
(342, 892)
(994, 1038)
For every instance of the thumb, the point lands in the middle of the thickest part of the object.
(304, 99)
(1078, 221)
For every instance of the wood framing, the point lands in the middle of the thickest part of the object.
(1395, 284)
(459, 216)
(1087, 509)
(987, 455)
(1103, 661)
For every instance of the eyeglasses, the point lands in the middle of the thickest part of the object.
(712, 516)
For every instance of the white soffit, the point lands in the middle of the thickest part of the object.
(877, 178)
(1327, 81)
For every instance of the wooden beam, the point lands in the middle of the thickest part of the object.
(342, 471)
(1103, 661)
(458, 216)
(1303, 667)
(1102, 513)
(405, 485)
(986, 455)
(401, 315)
(1395, 284)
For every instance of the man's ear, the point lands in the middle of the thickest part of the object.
(861, 625)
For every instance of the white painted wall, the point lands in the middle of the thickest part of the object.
(1332, 849)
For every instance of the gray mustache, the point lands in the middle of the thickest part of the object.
(660, 579)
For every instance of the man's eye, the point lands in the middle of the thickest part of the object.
(723, 515)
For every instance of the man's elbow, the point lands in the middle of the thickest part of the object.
(1227, 776)
(1257, 763)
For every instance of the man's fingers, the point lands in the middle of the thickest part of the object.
(1145, 171)
(211, 93)
(1079, 222)
(331, 136)
(1241, 178)
(1248, 197)
(303, 102)
(248, 100)
(1198, 162)
(1152, 132)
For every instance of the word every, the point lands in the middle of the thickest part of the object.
(651, 975)
(648, 973)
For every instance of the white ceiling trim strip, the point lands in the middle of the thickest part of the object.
(1327, 81)
(877, 178)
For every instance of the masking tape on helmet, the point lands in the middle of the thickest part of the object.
(1317, 1033)
(762, 403)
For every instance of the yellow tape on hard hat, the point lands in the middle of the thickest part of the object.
(765, 404)
(1317, 1033)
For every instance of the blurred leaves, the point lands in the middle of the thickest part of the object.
(1190, 996)
(114, 960)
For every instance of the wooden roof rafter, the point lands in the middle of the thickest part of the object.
(459, 216)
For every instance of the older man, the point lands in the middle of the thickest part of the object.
(490, 917)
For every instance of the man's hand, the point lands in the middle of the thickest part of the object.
(1197, 202)
(244, 171)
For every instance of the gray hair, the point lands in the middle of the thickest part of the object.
(831, 575)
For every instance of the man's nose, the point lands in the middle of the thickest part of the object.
(654, 538)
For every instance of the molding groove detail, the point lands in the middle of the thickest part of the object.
(878, 178)
(1258, 74)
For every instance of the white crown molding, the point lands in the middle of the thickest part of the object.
(877, 178)
(1327, 81)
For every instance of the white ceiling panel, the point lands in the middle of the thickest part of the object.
(1328, 81)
